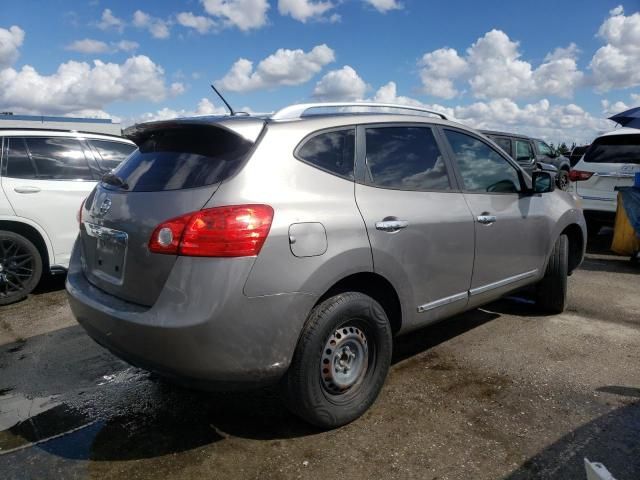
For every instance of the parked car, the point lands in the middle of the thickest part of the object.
(529, 152)
(611, 161)
(291, 248)
(44, 175)
(577, 153)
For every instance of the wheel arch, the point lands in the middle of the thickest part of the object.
(375, 286)
(576, 245)
(35, 234)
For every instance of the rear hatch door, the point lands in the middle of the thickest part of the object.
(614, 159)
(177, 168)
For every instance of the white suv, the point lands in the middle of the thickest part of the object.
(44, 176)
(611, 161)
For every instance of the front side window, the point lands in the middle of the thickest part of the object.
(524, 152)
(545, 149)
(482, 168)
(406, 158)
(331, 151)
(19, 164)
(57, 158)
(111, 153)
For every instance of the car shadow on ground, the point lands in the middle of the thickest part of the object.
(612, 439)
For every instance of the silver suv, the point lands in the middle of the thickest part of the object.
(292, 248)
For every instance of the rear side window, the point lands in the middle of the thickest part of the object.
(188, 156)
(111, 153)
(331, 151)
(19, 164)
(405, 158)
(58, 158)
(504, 143)
(614, 149)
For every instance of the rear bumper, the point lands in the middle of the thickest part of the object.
(202, 330)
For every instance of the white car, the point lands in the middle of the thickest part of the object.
(44, 177)
(611, 161)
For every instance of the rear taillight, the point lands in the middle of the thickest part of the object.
(579, 175)
(79, 214)
(233, 231)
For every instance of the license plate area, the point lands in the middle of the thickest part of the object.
(110, 252)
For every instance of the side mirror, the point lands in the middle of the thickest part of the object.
(543, 182)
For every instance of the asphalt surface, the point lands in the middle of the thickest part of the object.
(499, 392)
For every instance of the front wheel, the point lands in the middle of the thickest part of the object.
(341, 361)
(562, 180)
(552, 290)
(20, 267)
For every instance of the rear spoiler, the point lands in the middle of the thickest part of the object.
(249, 128)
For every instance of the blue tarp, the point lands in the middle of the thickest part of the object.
(631, 202)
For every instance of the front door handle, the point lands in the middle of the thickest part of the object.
(391, 225)
(26, 189)
(486, 219)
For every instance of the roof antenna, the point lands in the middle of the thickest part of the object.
(225, 102)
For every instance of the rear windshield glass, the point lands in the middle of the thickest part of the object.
(182, 157)
(614, 149)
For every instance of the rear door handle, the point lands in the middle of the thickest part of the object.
(391, 225)
(486, 219)
(26, 189)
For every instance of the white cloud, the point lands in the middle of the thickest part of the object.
(285, 67)
(177, 88)
(304, 10)
(341, 85)
(383, 6)
(609, 109)
(89, 46)
(110, 21)
(10, 43)
(157, 27)
(243, 14)
(616, 64)
(204, 107)
(493, 69)
(635, 97)
(199, 23)
(79, 86)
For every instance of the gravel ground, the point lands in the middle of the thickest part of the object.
(499, 392)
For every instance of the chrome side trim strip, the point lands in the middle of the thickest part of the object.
(603, 199)
(503, 282)
(443, 301)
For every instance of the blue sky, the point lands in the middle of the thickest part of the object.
(554, 69)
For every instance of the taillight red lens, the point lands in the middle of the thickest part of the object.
(233, 231)
(579, 175)
(79, 214)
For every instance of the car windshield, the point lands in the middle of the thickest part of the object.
(615, 149)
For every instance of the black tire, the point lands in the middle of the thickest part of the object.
(308, 388)
(551, 292)
(562, 180)
(20, 267)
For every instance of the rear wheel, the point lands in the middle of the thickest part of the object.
(20, 267)
(552, 290)
(341, 361)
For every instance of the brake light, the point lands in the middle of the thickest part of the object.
(233, 231)
(579, 175)
(79, 214)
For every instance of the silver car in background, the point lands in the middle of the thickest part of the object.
(291, 248)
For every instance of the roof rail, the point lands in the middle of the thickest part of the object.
(293, 112)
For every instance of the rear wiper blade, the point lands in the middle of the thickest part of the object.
(115, 180)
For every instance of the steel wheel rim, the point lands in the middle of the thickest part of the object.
(17, 266)
(563, 181)
(345, 360)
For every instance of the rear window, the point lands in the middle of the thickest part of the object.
(183, 157)
(503, 143)
(614, 149)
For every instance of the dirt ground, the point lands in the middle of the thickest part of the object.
(499, 392)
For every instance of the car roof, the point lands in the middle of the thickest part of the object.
(622, 131)
(40, 132)
(504, 134)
